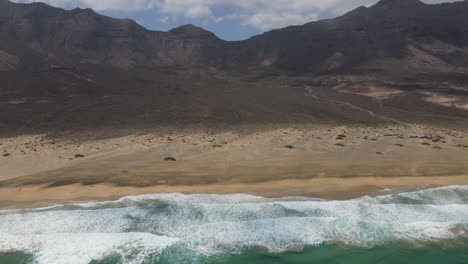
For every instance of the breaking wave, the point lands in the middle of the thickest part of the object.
(176, 228)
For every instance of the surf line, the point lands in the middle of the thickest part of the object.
(309, 93)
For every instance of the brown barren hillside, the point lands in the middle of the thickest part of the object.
(65, 70)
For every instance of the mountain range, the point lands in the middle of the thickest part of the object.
(73, 69)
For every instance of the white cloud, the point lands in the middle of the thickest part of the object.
(261, 14)
(198, 11)
(270, 19)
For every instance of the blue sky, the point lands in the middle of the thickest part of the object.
(228, 19)
(152, 19)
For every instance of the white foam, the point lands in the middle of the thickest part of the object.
(178, 198)
(195, 198)
(455, 194)
(133, 248)
(63, 221)
(231, 223)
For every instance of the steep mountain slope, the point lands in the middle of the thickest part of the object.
(391, 29)
(399, 61)
(81, 36)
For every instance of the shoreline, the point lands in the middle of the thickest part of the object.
(336, 163)
(324, 188)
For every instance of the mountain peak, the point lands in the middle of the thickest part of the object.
(192, 31)
(399, 3)
(188, 27)
(84, 11)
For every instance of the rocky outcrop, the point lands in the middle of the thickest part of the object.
(8, 62)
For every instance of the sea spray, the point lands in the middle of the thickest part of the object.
(176, 228)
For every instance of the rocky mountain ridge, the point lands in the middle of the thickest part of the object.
(363, 38)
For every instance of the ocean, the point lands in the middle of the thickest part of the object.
(394, 226)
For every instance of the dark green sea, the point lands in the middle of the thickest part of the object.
(411, 226)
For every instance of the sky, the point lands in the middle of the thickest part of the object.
(228, 19)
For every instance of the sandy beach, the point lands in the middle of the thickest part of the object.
(324, 162)
(324, 188)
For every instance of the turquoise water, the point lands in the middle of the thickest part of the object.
(418, 226)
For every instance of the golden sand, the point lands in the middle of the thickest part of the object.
(331, 163)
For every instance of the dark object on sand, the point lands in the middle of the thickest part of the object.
(340, 137)
(170, 159)
(79, 156)
(290, 147)
(6, 155)
(217, 146)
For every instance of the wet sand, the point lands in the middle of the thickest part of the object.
(325, 188)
